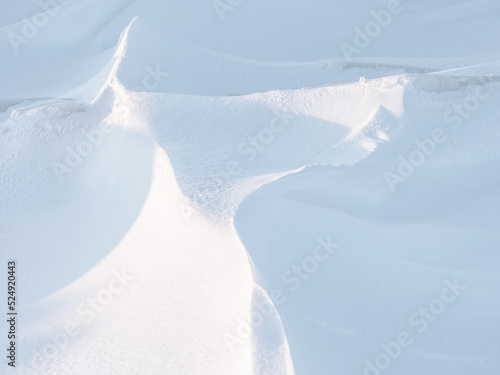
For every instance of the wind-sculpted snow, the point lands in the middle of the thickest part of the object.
(190, 191)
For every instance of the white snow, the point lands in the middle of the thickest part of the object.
(216, 187)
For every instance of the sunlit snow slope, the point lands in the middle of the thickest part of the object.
(193, 188)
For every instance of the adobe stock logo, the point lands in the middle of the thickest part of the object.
(250, 148)
(76, 154)
(299, 273)
(379, 21)
(87, 311)
(407, 166)
(426, 148)
(150, 81)
(32, 26)
(93, 138)
(419, 320)
(293, 277)
(224, 6)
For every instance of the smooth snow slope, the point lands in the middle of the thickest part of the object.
(164, 173)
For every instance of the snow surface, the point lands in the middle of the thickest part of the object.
(187, 192)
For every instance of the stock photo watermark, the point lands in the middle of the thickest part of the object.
(419, 321)
(372, 29)
(293, 278)
(224, 6)
(151, 80)
(87, 312)
(249, 149)
(12, 311)
(92, 139)
(426, 148)
(76, 154)
(31, 26)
